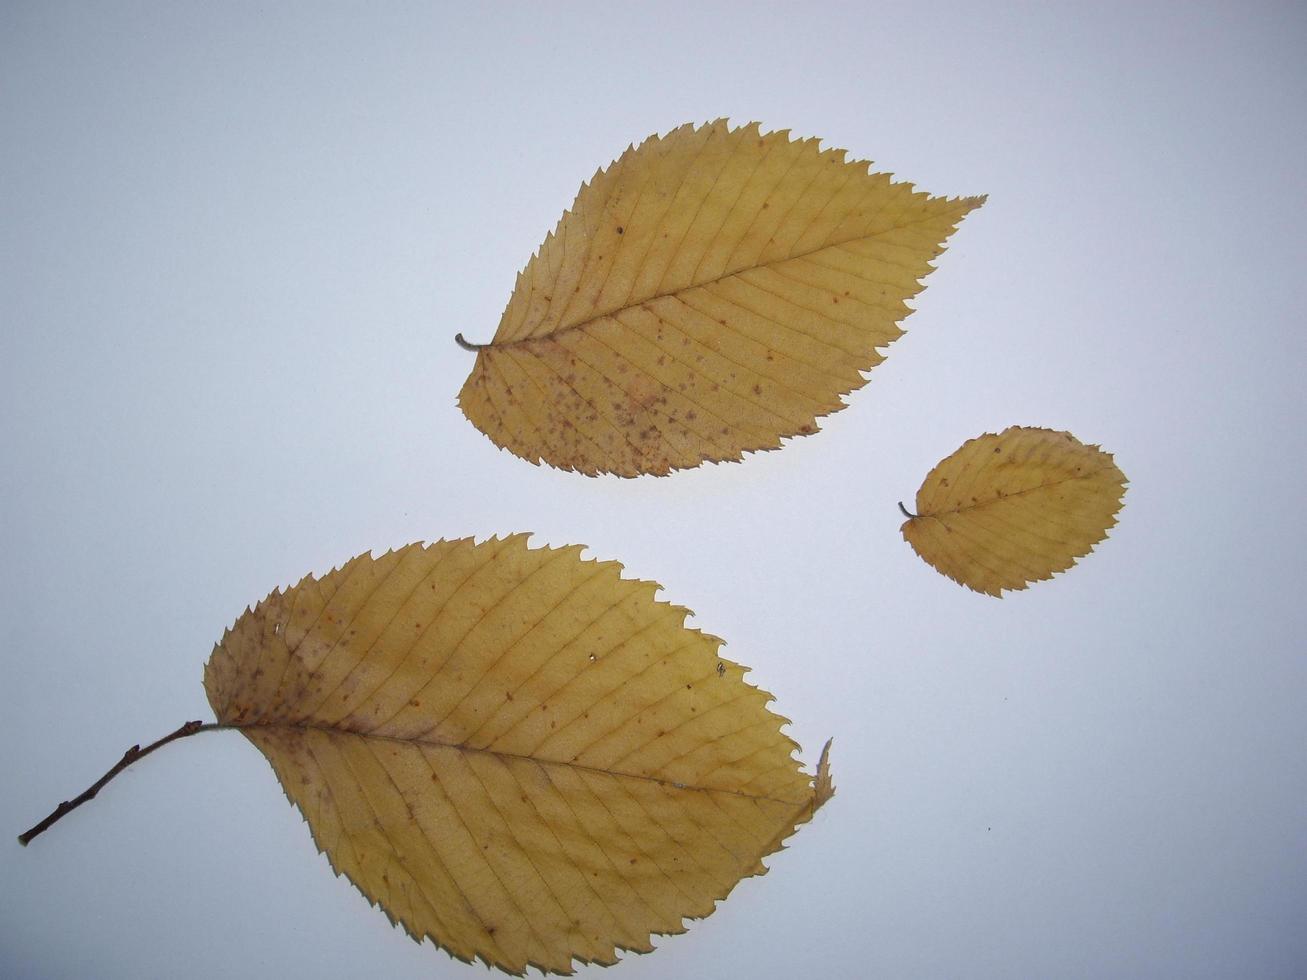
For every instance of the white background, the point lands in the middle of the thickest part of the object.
(237, 240)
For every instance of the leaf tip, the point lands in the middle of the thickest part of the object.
(823, 789)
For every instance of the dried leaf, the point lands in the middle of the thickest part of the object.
(1010, 509)
(712, 292)
(516, 753)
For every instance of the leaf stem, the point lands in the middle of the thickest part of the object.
(130, 756)
(467, 344)
(907, 513)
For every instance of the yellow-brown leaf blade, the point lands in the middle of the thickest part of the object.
(516, 753)
(1014, 508)
(711, 293)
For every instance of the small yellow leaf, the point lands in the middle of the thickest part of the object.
(514, 752)
(710, 293)
(1010, 509)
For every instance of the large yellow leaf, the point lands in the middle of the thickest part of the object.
(1010, 509)
(516, 753)
(711, 292)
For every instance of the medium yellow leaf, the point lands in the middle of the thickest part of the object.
(516, 753)
(1010, 509)
(712, 292)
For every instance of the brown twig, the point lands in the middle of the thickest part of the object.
(130, 756)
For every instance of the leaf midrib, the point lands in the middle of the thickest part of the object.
(992, 501)
(607, 314)
(331, 731)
